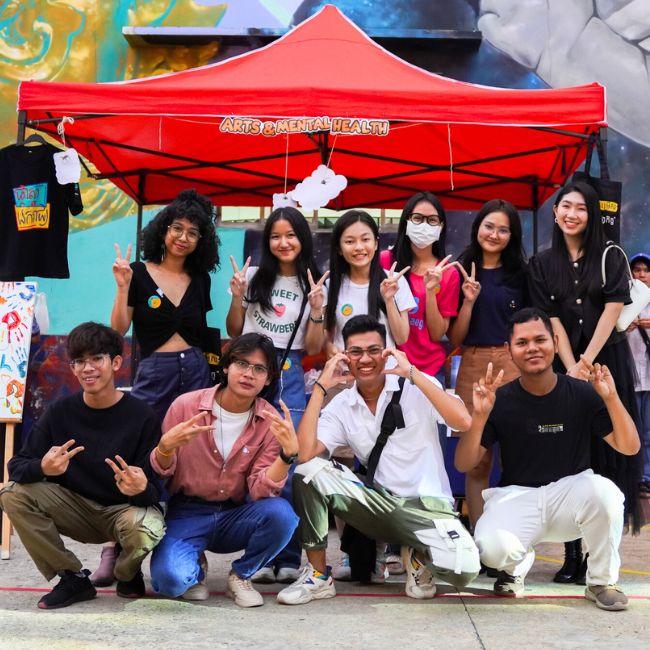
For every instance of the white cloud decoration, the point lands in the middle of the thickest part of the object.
(283, 201)
(317, 190)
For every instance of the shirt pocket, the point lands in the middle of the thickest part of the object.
(361, 442)
(240, 461)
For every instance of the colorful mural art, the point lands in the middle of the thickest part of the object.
(17, 300)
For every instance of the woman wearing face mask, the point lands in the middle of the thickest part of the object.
(494, 288)
(420, 246)
(566, 282)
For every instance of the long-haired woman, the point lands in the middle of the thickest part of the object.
(493, 266)
(268, 299)
(566, 282)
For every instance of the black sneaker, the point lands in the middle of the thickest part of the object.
(133, 588)
(71, 589)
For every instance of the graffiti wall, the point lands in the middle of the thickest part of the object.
(17, 300)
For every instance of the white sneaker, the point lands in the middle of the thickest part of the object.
(265, 576)
(419, 581)
(306, 588)
(200, 590)
(242, 592)
(380, 574)
(395, 565)
(343, 571)
(287, 575)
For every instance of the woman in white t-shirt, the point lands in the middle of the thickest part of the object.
(268, 299)
(358, 284)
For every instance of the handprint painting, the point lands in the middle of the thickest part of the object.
(17, 301)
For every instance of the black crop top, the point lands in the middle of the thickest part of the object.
(156, 319)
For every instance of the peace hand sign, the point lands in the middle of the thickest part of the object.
(130, 480)
(433, 276)
(316, 295)
(390, 285)
(238, 283)
(183, 433)
(485, 391)
(56, 461)
(283, 430)
(471, 288)
(121, 268)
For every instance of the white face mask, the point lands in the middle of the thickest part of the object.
(422, 234)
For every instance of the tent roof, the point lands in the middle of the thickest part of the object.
(463, 141)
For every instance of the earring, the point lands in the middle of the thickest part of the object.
(163, 250)
(555, 219)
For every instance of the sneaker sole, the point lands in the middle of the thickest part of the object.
(231, 594)
(330, 592)
(86, 595)
(406, 560)
(616, 607)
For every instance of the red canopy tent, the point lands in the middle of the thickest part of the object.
(467, 143)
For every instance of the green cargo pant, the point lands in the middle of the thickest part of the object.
(42, 512)
(427, 524)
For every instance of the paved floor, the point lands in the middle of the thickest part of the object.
(360, 617)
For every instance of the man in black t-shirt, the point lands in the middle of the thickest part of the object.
(84, 472)
(544, 423)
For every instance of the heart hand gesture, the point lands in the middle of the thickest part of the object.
(121, 268)
(238, 283)
(390, 285)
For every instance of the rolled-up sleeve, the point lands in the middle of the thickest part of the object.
(260, 486)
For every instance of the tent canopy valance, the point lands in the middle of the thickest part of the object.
(467, 143)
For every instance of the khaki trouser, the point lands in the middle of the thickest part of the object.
(42, 512)
(427, 524)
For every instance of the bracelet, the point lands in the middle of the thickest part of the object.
(319, 320)
(161, 453)
(321, 387)
(411, 375)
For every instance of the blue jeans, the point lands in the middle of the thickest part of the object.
(261, 528)
(643, 400)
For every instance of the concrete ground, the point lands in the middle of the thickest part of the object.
(360, 617)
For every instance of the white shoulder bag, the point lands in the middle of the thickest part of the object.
(639, 293)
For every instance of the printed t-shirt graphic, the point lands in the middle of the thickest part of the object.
(286, 297)
(34, 214)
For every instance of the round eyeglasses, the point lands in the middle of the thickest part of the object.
(176, 231)
(431, 219)
(96, 362)
(258, 369)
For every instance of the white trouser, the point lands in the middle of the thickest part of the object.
(515, 518)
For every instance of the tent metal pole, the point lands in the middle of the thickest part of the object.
(22, 119)
(138, 247)
(535, 215)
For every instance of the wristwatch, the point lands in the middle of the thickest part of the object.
(289, 460)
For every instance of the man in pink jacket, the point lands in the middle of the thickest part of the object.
(219, 447)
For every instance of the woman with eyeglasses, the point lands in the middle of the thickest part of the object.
(282, 298)
(166, 297)
(435, 284)
(494, 288)
(566, 282)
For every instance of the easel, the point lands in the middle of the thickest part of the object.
(7, 528)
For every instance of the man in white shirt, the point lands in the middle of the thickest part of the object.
(410, 501)
(637, 335)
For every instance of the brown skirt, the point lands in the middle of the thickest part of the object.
(473, 366)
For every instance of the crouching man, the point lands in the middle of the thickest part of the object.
(543, 423)
(405, 497)
(84, 472)
(221, 446)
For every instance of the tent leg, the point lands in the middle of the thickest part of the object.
(138, 248)
(535, 215)
(22, 119)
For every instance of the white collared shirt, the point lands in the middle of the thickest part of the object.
(411, 464)
(640, 354)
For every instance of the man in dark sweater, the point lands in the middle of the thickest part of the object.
(84, 472)
(544, 423)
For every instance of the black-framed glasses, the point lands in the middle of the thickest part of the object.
(192, 234)
(242, 366)
(355, 352)
(431, 219)
(96, 362)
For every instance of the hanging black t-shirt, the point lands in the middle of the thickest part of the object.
(155, 317)
(34, 214)
(545, 438)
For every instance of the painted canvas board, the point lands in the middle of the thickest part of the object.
(17, 300)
